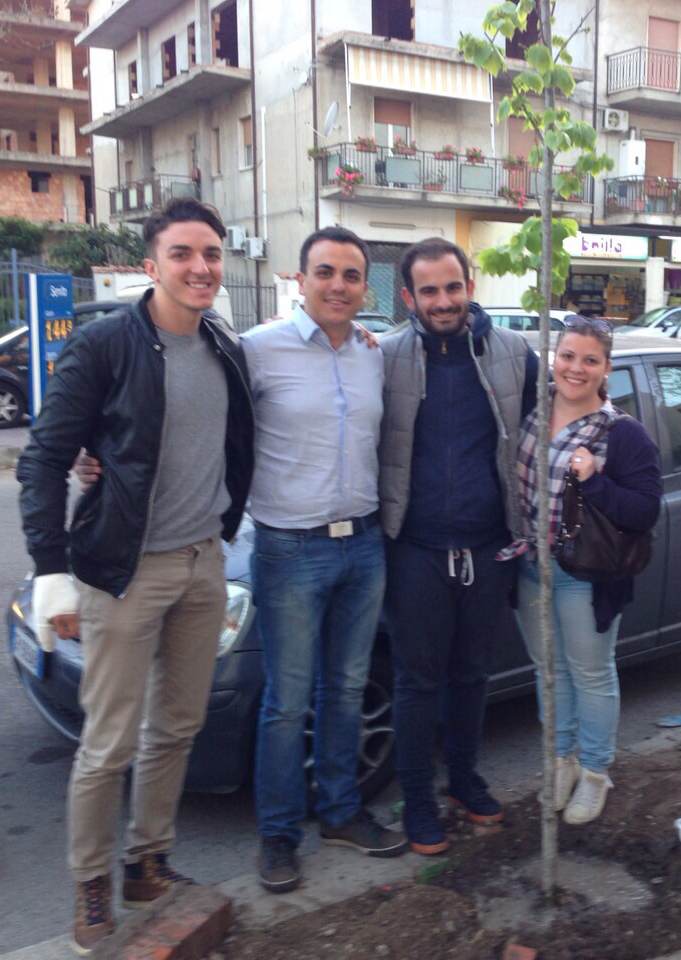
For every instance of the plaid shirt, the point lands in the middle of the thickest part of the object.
(591, 432)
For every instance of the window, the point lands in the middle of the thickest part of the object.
(622, 392)
(40, 182)
(191, 44)
(132, 79)
(168, 59)
(128, 171)
(519, 42)
(392, 18)
(392, 119)
(670, 409)
(246, 142)
(216, 158)
(225, 36)
(54, 142)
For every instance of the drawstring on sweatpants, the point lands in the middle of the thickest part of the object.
(467, 572)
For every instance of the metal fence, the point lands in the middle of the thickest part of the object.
(661, 195)
(510, 179)
(643, 67)
(12, 300)
(243, 294)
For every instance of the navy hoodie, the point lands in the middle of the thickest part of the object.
(455, 497)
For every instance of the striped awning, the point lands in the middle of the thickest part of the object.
(394, 70)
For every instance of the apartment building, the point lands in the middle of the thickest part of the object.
(45, 163)
(227, 100)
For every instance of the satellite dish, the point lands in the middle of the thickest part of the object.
(330, 118)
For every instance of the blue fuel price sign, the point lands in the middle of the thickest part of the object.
(49, 303)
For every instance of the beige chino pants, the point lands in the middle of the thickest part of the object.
(148, 665)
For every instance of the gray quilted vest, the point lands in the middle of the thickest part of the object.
(501, 368)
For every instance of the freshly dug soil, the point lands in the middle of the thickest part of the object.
(619, 895)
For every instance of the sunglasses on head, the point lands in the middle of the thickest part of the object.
(585, 323)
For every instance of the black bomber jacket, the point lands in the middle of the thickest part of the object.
(107, 395)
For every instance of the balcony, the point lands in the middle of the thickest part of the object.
(122, 22)
(444, 179)
(168, 100)
(134, 201)
(652, 201)
(645, 79)
(21, 101)
(48, 162)
(30, 28)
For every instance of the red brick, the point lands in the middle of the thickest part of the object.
(185, 924)
(514, 951)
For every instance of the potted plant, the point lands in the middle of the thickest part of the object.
(513, 163)
(348, 177)
(435, 182)
(612, 204)
(474, 155)
(366, 144)
(403, 148)
(314, 152)
(518, 197)
(446, 152)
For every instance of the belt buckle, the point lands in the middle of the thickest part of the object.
(341, 528)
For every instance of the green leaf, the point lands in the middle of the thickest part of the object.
(504, 111)
(561, 78)
(532, 300)
(564, 57)
(526, 80)
(539, 57)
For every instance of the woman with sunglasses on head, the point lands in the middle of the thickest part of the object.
(617, 466)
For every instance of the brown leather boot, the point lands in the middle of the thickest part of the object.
(94, 919)
(148, 879)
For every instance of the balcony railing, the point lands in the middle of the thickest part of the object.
(436, 172)
(650, 195)
(643, 67)
(141, 197)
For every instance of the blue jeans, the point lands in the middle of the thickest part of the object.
(587, 686)
(318, 602)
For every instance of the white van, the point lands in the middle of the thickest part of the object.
(222, 303)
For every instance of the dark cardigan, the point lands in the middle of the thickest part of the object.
(628, 492)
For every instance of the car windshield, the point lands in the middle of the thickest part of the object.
(646, 319)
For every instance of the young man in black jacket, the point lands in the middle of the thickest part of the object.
(147, 391)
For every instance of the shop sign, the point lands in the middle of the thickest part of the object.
(607, 246)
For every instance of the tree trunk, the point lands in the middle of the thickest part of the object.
(549, 833)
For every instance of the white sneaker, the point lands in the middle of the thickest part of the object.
(567, 771)
(589, 798)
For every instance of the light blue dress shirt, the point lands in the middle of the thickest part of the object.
(318, 415)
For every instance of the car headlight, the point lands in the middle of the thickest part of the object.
(237, 610)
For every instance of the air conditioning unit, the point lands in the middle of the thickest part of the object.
(235, 238)
(254, 248)
(616, 120)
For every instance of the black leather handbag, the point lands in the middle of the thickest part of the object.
(590, 547)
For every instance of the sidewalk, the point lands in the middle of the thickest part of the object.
(332, 874)
(12, 442)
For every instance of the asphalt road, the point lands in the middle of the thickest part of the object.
(216, 834)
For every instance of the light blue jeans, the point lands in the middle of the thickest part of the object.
(318, 602)
(587, 686)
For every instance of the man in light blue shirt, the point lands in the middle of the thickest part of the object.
(318, 563)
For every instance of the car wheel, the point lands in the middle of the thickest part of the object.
(377, 738)
(12, 406)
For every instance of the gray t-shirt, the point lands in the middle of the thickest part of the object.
(190, 494)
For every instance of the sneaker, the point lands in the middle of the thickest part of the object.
(472, 800)
(366, 835)
(589, 798)
(278, 864)
(424, 829)
(94, 919)
(148, 879)
(567, 772)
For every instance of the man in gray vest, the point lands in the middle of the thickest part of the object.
(456, 389)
